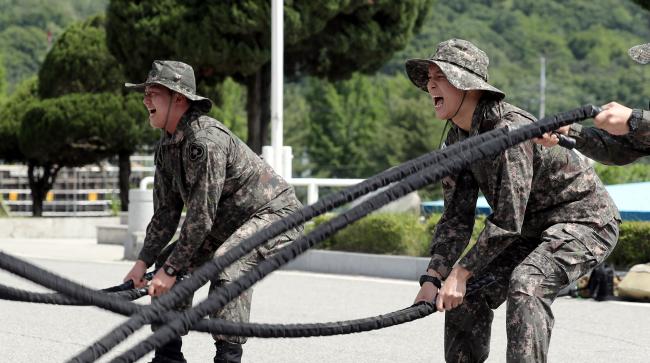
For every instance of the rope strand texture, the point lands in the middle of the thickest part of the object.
(498, 141)
(449, 160)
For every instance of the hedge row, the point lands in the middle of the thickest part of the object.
(633, 245)
(407, 234)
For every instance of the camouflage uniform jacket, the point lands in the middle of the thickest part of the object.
(221, 182)
(528, 187)
(609, 149)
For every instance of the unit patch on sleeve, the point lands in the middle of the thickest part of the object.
(197, 151)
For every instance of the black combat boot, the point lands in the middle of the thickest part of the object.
(227, 352)
(170, 353)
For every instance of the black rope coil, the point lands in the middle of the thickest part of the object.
(451, 159)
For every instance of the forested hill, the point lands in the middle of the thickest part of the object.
(25, 26)
(585, 43)
(358, 127)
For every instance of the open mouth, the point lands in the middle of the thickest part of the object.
(152, 111)
(438, 102)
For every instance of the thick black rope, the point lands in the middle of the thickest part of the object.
(450, 148)
(13, 294)
(289, 330)
(500, 139)
(186, 287)
(124, 291)
(70, 288)
(414, 312)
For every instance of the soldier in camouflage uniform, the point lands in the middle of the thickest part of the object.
(228, 191)
(552, 219)
(621, 135)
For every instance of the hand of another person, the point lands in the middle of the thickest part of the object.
(613, 119)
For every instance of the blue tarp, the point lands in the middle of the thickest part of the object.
(632, 200)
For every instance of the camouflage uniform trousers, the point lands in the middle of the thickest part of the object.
(529, 275)
(238, 310)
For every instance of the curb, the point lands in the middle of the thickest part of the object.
(352, 263)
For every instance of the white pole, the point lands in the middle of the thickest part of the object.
(542, 86)
(277, 79)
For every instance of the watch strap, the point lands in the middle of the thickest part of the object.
(635, 118)
(432, 279)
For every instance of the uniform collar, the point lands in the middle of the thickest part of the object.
(485, 116)
(182, 128)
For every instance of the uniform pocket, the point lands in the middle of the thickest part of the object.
(271, 246)
(583, 248)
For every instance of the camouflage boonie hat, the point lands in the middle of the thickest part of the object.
(640, 53)
(178, 77)
(463, 63)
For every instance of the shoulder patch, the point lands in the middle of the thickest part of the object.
(197, 151)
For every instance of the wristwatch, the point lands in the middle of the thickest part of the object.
(635, 119)
(428, 278)
(169, 270)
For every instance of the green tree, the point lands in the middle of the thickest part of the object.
(71, 130)
(364, 125)
(3, 81)
(586, 60)
(11, 116)
(643, 3)
(28, 28)
(79, 62)
(326, 38)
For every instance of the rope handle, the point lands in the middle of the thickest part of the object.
(569, 142)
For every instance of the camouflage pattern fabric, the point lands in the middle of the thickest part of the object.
(229, 193)
(600, 145)
(530, 274)
(220, 181)
(552, 221)
(463, 63)
(529, 188)
(640, 53)
(610, 149)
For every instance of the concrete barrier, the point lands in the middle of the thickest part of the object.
(349, 263)
(133, 245)
(140, 209)
(53, 227)
(112, 234)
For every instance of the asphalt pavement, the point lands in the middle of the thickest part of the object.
(585, 330)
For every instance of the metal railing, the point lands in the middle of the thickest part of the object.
(312, 185)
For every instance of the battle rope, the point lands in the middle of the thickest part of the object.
(420, 160)
(293, 330)
(13, 294)
(124, 291)
(187, 286)
(417, 311)
(498, 140)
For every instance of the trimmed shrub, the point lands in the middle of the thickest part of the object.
(380, 233)
(633, 245)
(433, 220)
(404, 234)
